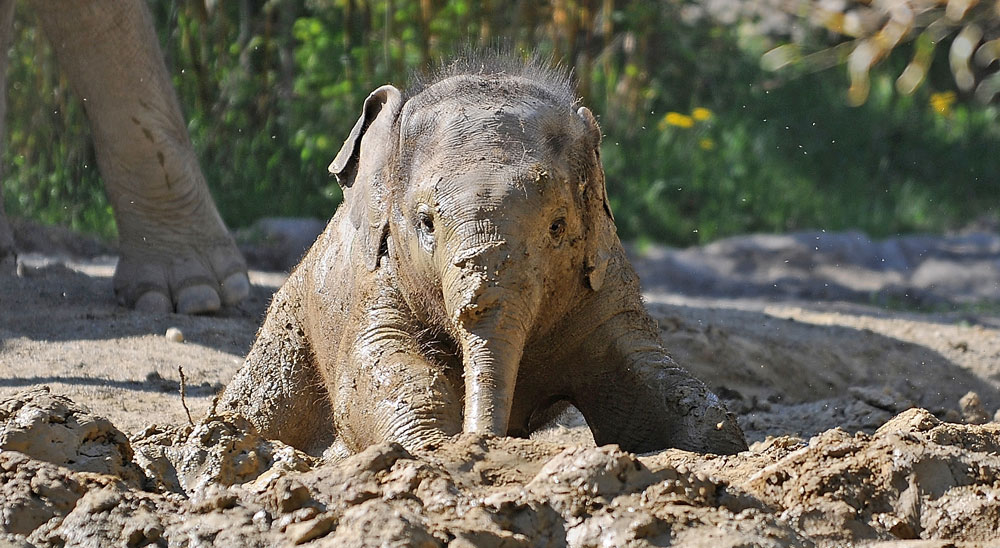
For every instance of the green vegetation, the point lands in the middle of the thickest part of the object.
(795, 157)
(700, 141)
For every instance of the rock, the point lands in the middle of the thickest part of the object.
(585, 472)
(111, 517)
(973, 411)
(378, 523)
(32, 492)
(915, 419)
(174, 334)
(304, 531)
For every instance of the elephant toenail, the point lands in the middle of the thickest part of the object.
(198, 299)
(235, 288)
(154, 302)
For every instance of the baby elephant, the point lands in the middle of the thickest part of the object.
(471, 279)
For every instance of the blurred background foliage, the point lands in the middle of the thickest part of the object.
(702, 139)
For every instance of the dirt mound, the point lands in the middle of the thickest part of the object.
(54, 429)
(914, 478)
(918, 270)
(801, 368)
(219, 484)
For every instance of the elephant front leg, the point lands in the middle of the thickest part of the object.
(391, 392)
(176, 253)
(636, 396)
(278, 389)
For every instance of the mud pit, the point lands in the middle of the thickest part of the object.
(861, 422)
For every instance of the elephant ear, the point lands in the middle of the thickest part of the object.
(599, 245)
(594, 132)
(361, 170)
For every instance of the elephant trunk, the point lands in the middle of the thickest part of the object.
(493, 317)
(491, 364)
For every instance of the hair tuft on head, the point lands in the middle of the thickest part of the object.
(499, 61)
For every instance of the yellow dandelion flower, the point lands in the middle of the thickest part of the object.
(701, 114)
(706, 143)
(679, 120)
(941, 102)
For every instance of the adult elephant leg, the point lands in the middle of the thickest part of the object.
(176, 253)
(639, 398)
(7, 256)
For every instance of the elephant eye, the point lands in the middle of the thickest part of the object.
(557, 228)
(426, 222)
(425, 227)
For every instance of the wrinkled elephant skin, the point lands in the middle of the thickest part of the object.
(176, 253)
(472, 279)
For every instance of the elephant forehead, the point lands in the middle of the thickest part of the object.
(514, 123)
(493, 190)
(514, 130)
(485, 165)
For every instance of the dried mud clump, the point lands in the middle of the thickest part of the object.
(220, 450)
(66, 482)
(54, 429)
(916, 477)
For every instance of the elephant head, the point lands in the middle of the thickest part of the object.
(491, 213)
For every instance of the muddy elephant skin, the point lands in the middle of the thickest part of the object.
(471, 279)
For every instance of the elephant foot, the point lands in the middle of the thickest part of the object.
(649, 403)
(189, 276)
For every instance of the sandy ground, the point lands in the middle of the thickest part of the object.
(868, 391)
